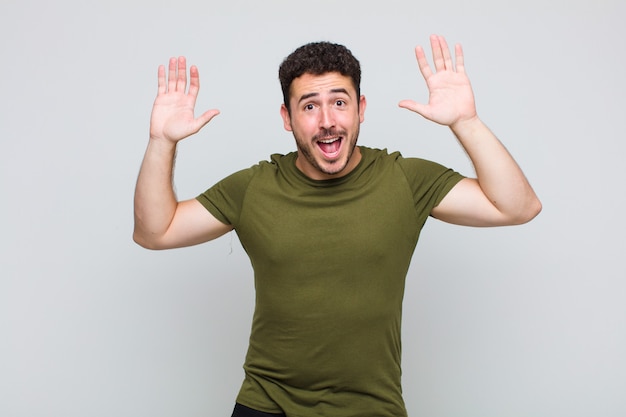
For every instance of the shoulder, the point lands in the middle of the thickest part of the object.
(378, 158)
(409, 165)
(243, 176)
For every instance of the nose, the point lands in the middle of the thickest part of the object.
(327, 119)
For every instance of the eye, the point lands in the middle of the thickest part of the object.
(340, 103)
(309, 107)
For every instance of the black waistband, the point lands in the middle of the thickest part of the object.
(243, 411)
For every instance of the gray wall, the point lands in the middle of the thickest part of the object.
(519, 321)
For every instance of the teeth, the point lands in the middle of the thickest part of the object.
(329, 140)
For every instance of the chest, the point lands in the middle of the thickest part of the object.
(298, 228)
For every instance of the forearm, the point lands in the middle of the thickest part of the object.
(499, 176)
(155, 199)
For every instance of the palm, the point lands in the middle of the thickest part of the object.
(450, 94)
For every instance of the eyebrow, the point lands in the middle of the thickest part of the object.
(334, 90)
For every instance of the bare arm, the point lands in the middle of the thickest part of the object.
(501, 194)
(161, 222)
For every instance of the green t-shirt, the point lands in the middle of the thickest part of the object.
(330, 259)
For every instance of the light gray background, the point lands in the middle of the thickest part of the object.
(520, 321)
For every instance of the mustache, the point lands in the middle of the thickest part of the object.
(325, 134)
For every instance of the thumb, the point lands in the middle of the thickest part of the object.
(205, 118)
(418, 108)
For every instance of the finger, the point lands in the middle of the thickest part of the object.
(194, 81)
(438, 59)
(171, 76)
(162, 86)
(422, 62)
(445, 51)
(460, 62)
(181, 81)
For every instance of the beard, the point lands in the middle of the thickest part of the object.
(307, 150)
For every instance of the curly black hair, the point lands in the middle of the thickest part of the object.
(318, 58)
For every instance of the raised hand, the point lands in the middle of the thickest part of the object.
(173, 116)
(451, 99)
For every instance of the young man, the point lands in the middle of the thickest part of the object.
(331, 228)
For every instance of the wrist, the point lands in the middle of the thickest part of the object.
(161, 145)
(466, 126)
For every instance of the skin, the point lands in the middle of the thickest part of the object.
(327, 105)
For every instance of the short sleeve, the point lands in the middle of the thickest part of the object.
(224, 200)
(430, 181)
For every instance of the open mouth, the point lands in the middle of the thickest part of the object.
(330, 147)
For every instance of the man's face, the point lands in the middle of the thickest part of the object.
(325, 118)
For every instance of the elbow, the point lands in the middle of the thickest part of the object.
(145, 242)
(138, 239)
(537, 208)
(147, 238)
(530, 211)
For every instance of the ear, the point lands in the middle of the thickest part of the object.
(284, 113)
(362, 105)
